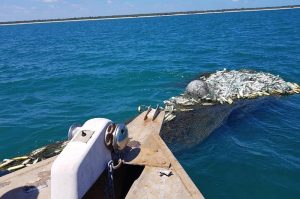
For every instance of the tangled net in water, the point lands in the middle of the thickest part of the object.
(14, 164)
(226, 86)
(209, 100)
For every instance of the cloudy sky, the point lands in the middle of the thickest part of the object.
(11, 10)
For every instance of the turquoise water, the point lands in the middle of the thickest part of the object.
(52, 75)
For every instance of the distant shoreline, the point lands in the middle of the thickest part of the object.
(40, 21)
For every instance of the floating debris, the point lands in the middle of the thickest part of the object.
(14, 168)
(209, 100)
(36, 161)
(35, 156)
(26, 161)
(228, 85)
(5, 163)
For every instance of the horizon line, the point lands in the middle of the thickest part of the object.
(147, 15)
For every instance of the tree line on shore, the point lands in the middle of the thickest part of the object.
(148, 14)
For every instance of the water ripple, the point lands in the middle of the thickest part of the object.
(52, 75)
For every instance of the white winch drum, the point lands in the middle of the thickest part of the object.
(82, 161)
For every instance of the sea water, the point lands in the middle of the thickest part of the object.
(56, 74)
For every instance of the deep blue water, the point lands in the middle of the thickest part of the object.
(52, 75)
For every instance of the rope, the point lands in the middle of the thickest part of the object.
(110, 192)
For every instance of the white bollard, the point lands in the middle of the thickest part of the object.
(82, 161)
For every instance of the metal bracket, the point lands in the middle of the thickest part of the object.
(152, 113)
(148, 111)
(156, 112)
(83, 136)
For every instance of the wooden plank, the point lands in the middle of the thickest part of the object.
(179, 170)
(143, 148)
(31, 182)
(151, 185)
(154, 154)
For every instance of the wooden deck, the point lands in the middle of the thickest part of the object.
(156, 157)
(162, 175)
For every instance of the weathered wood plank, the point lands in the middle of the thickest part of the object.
(31, 182)
(155, 155)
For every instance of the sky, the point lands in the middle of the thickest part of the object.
(13, 10)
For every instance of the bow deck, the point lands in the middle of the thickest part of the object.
(150, 170)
